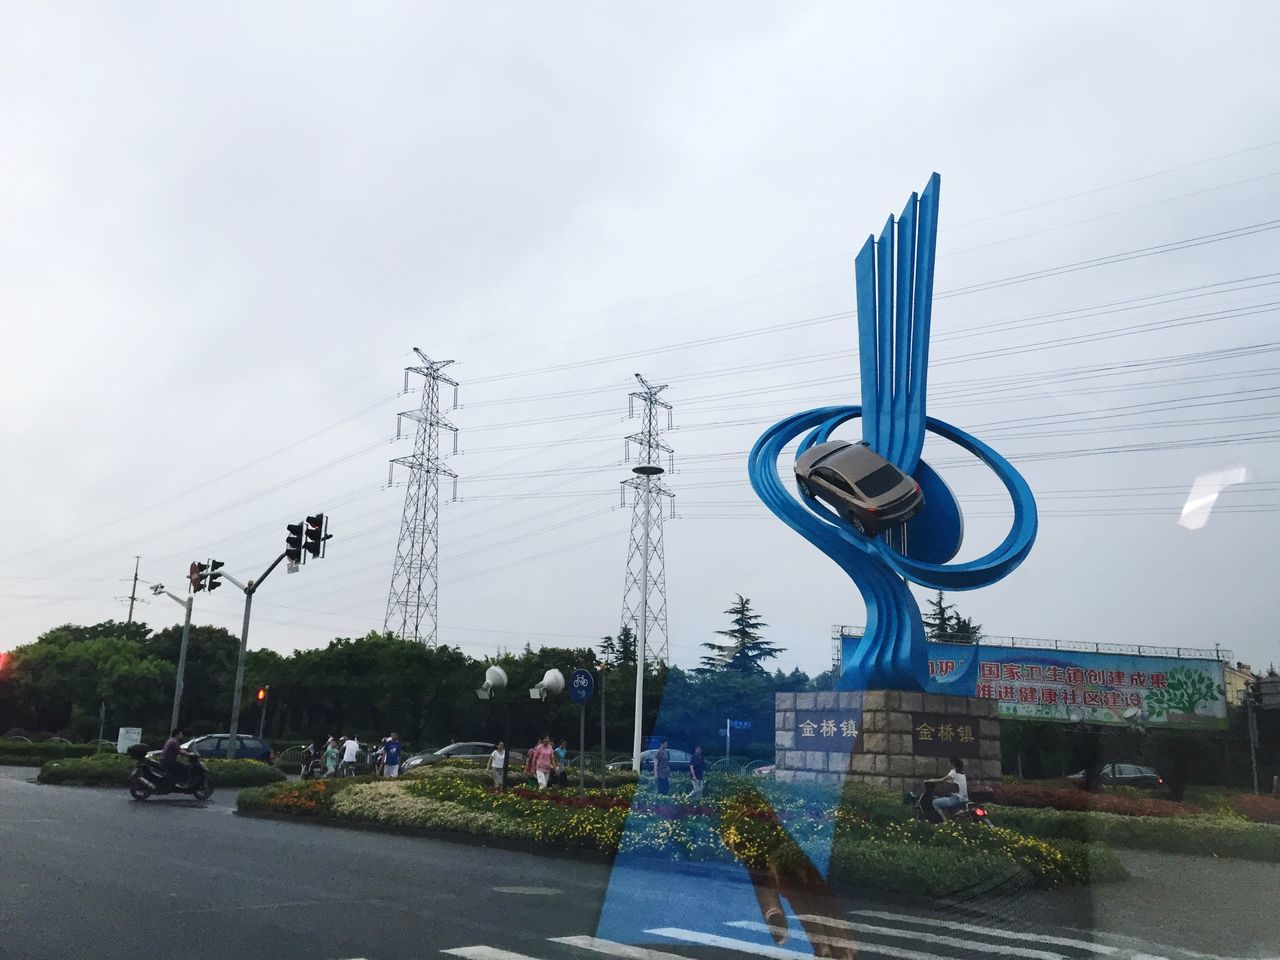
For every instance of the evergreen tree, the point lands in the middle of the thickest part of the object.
(626, 645)
(745, 649)
(964, 630)
(937, 621)
(608, 649)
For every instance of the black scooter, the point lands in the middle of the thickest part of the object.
(312, 765)
(149, 778)
(922, 803)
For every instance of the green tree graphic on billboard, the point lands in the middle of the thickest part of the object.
(1186, 690)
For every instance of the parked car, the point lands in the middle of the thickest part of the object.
(679, 761)
(863, 487)
(471, 750)
(214, 746)
(1126, 775)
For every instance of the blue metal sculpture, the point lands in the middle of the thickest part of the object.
(894, 280)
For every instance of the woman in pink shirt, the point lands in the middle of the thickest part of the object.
(543, 758)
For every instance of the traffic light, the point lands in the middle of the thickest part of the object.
(293, 543)
(197, 576)
(215, 578)
(316, 534)
(262, 694)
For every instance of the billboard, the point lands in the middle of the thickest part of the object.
(1068, 686)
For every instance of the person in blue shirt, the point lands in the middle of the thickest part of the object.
(391, 756)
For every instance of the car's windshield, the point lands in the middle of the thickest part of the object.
(878, 404)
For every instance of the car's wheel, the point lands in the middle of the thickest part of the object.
(138, 789)
(204, 791)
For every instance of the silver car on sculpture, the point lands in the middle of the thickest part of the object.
(862, 486)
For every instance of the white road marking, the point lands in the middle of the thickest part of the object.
(728, 943)
(863, 946)
(486, 953)
(921, 937)
(529, 891)
(1034, 936)
(615, 949)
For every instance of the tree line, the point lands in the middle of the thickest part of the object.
(368, 686)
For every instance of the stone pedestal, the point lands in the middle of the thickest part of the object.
(898, 738)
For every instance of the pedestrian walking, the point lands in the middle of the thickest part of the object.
(697, 773)
(497, 764)
(662, 768)
(391, 756)
(350, 753)
(331, 758)
(562, 764)
(544, 760)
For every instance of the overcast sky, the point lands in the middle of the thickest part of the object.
(222, 232)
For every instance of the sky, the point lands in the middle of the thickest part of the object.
(223, 232)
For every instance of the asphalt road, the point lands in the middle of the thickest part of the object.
(89, 873)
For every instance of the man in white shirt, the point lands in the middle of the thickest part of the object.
(946, 805)
(349, 751)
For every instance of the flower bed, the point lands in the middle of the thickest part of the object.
(1075, 798)
(875, 845)
(113, 769)
(1255, 808)
(1207, 836)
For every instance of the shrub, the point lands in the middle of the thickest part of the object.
(19, 753)
(1194, 835)
(1130, 803)
(113, 769)
(1256, 808)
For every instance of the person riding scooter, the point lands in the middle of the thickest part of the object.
(169, 754)
(948, 804)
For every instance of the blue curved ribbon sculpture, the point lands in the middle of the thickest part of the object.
(894, 297)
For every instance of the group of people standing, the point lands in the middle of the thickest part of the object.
(548, 765)
(341, 754)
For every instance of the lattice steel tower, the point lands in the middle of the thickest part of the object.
(415, 586)
(644, 598)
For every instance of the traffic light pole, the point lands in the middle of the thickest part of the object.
(1253, 740)
(182, 656)
(249, 589)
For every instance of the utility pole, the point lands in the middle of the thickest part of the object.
(645, 546)
(133, 594)
(412, 600)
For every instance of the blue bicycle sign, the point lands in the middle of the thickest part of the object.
(581, 686)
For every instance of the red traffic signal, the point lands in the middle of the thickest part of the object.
(262, 694)
(316, 534)
(197, 575)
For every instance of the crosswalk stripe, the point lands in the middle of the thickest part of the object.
(919, 936)
(879, 949)
(728, 943)
(615, 949)
(1034, 936)
(486, 953)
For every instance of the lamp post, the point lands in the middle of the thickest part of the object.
(495, 678)
(158, 589)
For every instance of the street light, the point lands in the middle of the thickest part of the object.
(552, 682)
(495, 678)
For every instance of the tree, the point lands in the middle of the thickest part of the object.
(746, 649)
(608, 648)
(937, 622)
(964, 630)
(626, 645)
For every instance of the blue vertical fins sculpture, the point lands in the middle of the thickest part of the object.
(894, 284)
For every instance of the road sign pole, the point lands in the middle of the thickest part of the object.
(602, 753)
(1253, 741)
(582, 749)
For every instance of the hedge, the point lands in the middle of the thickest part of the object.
(1132, 804)
(19, 753)
(1206, 836)
(113, 769)
(735, 823)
